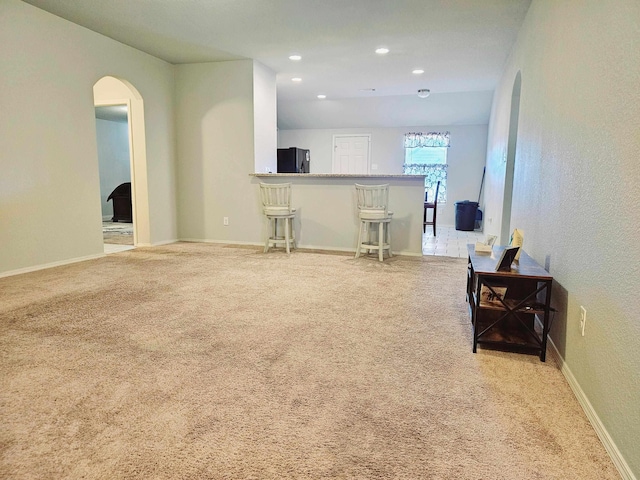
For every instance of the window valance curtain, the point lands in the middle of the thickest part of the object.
(431, 139)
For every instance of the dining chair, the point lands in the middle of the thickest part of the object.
(431, 206)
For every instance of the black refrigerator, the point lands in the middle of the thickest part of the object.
(293, 160)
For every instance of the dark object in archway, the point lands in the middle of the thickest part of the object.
(121, 196)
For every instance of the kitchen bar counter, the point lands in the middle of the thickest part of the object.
(327, 209)
(333, 175)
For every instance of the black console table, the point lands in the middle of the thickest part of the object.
(509, 310)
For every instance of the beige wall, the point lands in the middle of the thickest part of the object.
(576, 191)
(49, 186)
(215, 131)
(265, 118)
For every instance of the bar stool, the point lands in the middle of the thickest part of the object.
(373, 203)
(276, 205)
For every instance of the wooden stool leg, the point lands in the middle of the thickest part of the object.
(274, 233)
(359, 239)
(424, 220)
(380, 241)
(293, 234)
(286, 234)
(435, 213)
(389, 238)
(266, 235)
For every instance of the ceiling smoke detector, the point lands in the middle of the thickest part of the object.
(424, 92)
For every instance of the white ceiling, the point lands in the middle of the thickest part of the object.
(461, 44)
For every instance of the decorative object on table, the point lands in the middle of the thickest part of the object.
(492, 295)
(516, 240)
(487, 245)
(506, 259)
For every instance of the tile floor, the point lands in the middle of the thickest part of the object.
(448, 241)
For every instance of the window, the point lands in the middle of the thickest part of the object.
(426, 154)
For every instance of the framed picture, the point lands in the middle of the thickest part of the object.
(506, 259)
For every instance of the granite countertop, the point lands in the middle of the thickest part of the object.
(334, 175)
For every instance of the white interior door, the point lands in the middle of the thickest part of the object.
(351, 154)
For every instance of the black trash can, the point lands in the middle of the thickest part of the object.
(466, 215)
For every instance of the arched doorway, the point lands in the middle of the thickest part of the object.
(115, 91)
(505, 231)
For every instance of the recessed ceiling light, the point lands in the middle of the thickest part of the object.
(418, 71)
(295, 58)
(296, 79)
(321, 96)
(424, 92)
(382, 50)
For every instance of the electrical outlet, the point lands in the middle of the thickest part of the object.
(225, 220)
(583, 319)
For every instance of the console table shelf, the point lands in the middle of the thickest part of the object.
(509, 310)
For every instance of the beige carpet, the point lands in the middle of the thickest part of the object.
(194, 361)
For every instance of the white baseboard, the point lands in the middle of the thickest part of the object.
(220, 242)
(35, 268)
(157, 244)
(302, 247)
(608, 443)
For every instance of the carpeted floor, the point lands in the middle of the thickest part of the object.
(195, 361)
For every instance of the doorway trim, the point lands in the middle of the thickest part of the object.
(110, 90)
